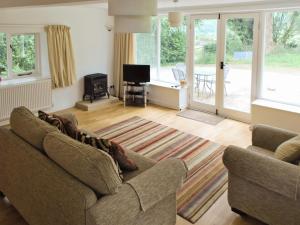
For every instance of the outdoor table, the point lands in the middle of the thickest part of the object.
(207, 78)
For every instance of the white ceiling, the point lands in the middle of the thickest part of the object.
(162, 4)
(188, 3)
(165, 4)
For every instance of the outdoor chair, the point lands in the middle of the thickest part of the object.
(178, 74)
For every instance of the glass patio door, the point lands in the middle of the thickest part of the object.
(222, 74)
(238, 64)
(204, 58)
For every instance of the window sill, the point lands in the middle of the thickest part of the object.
(20, 81)
(166, 85)
(276, 105)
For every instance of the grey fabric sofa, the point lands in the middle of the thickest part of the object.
(260, 185)
(45, 194)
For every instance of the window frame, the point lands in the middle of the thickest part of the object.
(11, 31)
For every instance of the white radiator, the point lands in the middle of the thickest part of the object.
(35, 94)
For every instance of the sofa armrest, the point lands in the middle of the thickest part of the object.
(158, 182)
(269, 137)
(272, 174)
(140, 194)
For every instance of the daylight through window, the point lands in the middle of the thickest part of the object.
(18, 54)
(281, 71)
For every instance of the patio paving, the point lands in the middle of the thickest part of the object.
(238, 86)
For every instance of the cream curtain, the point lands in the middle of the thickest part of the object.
(123, 54)
(61, 56)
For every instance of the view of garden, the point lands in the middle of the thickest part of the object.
(23, 52)
(281, 69)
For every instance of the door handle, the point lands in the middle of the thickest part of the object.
(222, 65)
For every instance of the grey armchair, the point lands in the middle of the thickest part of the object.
(260, 185)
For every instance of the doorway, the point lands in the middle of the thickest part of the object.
(223, 49)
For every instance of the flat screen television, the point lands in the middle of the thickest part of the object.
(136, 73)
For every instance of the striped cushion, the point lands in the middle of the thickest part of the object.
(70, 127)
(113, 149)
(56, 122)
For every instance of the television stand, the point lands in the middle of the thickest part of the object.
(135, 94)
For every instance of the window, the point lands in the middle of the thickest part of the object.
(3, 55)
(18, 54)
(147, 49)
(281, 71)
(172, 50)
(164, 49)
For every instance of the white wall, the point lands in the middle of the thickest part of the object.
(276, 114)
(93, 44)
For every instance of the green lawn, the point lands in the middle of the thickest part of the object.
(274, 59)
(291, 60)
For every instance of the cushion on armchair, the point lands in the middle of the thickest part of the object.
(289, 151)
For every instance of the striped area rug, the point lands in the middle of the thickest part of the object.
(207, 176)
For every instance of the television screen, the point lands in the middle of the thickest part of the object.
(136, 73)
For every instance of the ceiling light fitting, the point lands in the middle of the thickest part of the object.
(175, 18)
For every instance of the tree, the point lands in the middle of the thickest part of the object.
(285, 26)
(173, 43)
(23, 53)
(3, 54)
(240, 34)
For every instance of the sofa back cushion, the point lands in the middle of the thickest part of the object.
(289, 151)
(30, 128)
(92, 167)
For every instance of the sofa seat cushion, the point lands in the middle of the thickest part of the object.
(142, 163)
(94, 168)
(261, 151)
(289, 151)
(30, 128)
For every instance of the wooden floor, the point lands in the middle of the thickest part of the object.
(228, 132)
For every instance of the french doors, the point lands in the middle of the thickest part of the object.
(222, 69)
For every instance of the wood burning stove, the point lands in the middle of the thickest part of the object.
(95, 86)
